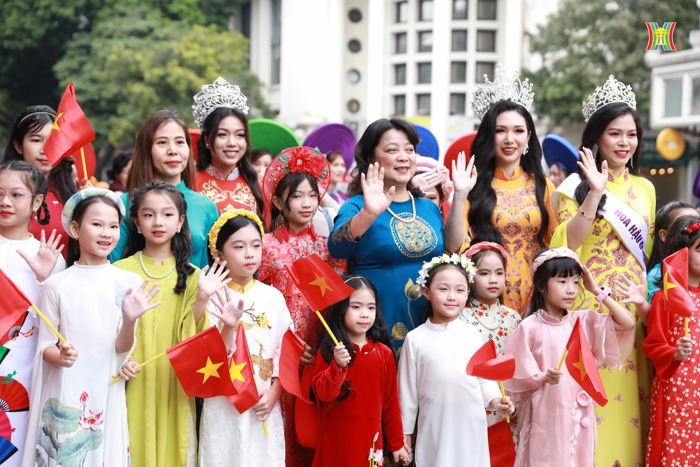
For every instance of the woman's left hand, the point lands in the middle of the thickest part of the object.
(463, 175)
(44, 261)
(212, 279)
(136, 302)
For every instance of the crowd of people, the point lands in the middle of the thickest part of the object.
(439, 261)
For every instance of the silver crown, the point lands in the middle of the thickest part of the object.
(213, 96)
(502, 88)
(612, 91)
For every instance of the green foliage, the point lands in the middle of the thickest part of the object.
(584, 42)
(136, 61)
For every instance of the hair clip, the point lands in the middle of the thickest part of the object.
(693, 228)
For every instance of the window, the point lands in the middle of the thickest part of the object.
(400, 74)
(459, 9)
(354, 76)
(673, 97)
(422, 104)
(458, 104)
(486, 41)
(459, 40)
(425, 10)
(400, 105)
(486, 9)
(276, 42)
(425, 41)
(354, 46)
(695, 104)
(484, 68)
(355, 15)
(401, 12)
(400, 43)
(353, 106)
(458, 72)
(425, 71)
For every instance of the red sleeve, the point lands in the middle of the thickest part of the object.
(391, 412)
(657, 346)
(328, 379)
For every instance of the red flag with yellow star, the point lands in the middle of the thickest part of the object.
(13, 306)
(486, 364)
(582, 366)
(320, 285)
(71, 130)
(675, 280)
(242, 374)
(201, 365)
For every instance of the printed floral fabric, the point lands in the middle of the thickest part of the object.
(624, 421)
(674, 436)
(227, 192)
(493, 322)
(517, 217)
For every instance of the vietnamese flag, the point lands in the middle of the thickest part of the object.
(13, 304)
(675, 280)
(582, 366)
(71, 130)
(200, 363)
(290, 359)
(320, 285)
(242, 374)
(486, 364)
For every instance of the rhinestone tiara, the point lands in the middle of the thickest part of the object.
(219, 94)
(503, 87)
(612, 91)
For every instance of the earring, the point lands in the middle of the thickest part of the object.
(279, 221)
(138, 229)
(527, 148)
(178, 230)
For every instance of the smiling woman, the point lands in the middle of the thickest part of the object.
(162, 153)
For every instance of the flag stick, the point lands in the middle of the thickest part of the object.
(240, 327)
(563, 356)
(503, 395)
(48, 323)
(82, 157)
(325, 325)
(141, 365)
(685, 324)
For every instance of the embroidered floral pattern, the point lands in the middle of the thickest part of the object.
(227, 194)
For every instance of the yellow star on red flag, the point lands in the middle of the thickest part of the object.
(580, 365)
(237, 371)
(321, 283)
(210, 369)
(668, 285)
(55, 123)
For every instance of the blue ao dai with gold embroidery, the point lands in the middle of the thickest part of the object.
(390, 254)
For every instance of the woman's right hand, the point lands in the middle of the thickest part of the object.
(552, 376)
(67, 355)
(376, 201)
(129, 370)
(341, 355)
(597, 179)
(685, 348)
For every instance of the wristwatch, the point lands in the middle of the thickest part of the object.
(604, 292)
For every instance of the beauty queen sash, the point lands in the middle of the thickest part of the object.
(628, 224)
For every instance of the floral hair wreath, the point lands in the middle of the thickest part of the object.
(298, 159)
(454, 258)
(224, 218)
(82, 195)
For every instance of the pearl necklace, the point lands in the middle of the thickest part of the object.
(152, 276)
(499, 318)
(413, 207)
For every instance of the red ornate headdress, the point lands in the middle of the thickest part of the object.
(297, 160)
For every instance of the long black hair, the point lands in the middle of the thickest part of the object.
(595, 128)
(555, 267)
(35, 182)
(364, 150)
(335, 316)
(180, 244)
(78, 213)
(210, 128)
(665, 216)
(482, 198)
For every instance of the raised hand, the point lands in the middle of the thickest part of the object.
(43, 262)
(228, 311)
(136, 302)
(212, 279)
(588, 281)
(596, 178)
(463, 174)
(376, 201)
(634, 293)
(428, 180)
